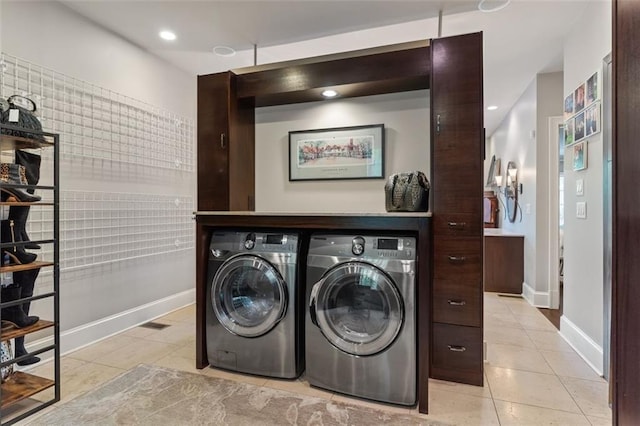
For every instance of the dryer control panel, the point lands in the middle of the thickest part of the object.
(250, 242)
(365, 246)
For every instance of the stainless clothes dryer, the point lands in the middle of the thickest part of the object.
(360, 329)
(253, 325)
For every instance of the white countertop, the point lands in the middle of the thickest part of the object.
(499, 232)
(252, 213)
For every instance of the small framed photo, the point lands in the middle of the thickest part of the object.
(592, 89)
(579, 95)
(568, 132)
(579, 127)
(568, 106)
(580, 156)
(592, 119)
(340, 153)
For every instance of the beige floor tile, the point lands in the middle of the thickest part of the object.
(495, 305)
(103, 347)
(173, 334)
(519, 306)
(525, 387)
(570, 365)
(482, 391)
(186, 314)
(178, 363)
(86, 378)
(139, 332)
(516, 357)
(535, 321)
(236, 377)
(460, 409)
(346, 399)
(67, 366)
(507, 336)
(513, 414)
(549, 341)
(592, 397)
(300, 386)
(498, 319)
(599, 421)
(140, 352)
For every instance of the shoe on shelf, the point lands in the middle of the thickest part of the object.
(14, 174)
(14, 314)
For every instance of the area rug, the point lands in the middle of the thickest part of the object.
(150, 395)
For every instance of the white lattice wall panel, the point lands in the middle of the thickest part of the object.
(97, 123)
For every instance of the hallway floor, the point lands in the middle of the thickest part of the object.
(532, 376)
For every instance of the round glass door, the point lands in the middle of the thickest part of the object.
(358, 308)
(248, 296)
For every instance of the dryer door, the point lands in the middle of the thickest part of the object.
(248, 295)
(358, 308)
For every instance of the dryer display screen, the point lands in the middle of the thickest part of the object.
(273, 239)
(387, 244)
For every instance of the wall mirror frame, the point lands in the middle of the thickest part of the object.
(511, 190)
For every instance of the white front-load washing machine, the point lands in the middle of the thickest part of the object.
(253, 321)
(360, 329)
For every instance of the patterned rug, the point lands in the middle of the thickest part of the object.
(150, 395)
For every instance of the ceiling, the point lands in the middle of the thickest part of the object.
(523, 39)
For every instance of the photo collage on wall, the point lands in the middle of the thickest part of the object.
(582, 111)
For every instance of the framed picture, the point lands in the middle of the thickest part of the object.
(579, 99)
(580, 156)
(568, 132)
(339, 153)
(592, 89)
(579, 127)
(592, 119)
(568, 106)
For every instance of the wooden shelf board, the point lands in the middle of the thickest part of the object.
(12, 333)
(16, 142)
(21, 385)
(25, 267)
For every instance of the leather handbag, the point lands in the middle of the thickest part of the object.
(407, 192)
(23, 117)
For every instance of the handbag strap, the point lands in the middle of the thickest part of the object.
(11, 99)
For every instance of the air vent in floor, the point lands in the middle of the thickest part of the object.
(154, 325)
(515, 296)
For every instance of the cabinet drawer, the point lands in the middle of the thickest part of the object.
(457, 303)
(456, 353)
(457, 225)
(458, 259)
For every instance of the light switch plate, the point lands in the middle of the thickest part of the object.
(580, 187)
(581, 210)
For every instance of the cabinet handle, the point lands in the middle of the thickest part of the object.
(456, 348)
(457, 259)
(456, 302)
(457, 224)
(223, 145)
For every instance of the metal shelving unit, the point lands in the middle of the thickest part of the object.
(22, 393)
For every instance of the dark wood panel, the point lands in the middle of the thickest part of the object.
(457, 201)
(203, 239)
(457, 225)
(363, 75)
(457, 259)
(456, 353)
(213, 134)
(424, 311)
(503, 264)
(241, 152)
(457, 302)
(626, 205)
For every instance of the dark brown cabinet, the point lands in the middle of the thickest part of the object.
(457, 149)
(504, 263)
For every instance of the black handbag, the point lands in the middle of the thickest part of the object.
(16, 115)
(407, 192)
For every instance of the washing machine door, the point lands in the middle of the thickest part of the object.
(248, 296)
(358, 308)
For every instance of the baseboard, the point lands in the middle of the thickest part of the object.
(539, 299)
(87, 334)
(589, 350)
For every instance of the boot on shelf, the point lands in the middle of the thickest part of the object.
(31, 163)
(18, 214)
(27, 280)
(17, 253)
(14, 314)
(14, 174)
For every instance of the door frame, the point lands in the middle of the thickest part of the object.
(553, 273)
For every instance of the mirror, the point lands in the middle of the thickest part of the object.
(511, 190)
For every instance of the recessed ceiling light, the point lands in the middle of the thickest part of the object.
(329, 93)
(167, 35)
(492, 5)
(492, 108)
(224, 51)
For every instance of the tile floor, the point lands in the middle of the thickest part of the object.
(532, 376)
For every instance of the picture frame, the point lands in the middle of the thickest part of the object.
(355, 152)
(592, 119)
(568, 106)
(592, 89)
(579, 127)
(569, 137)
(579, 101)
(580, 156)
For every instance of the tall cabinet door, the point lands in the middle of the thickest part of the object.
(213, 140)
(457, 145)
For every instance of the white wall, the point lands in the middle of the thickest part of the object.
(582, 322)
(101, 300)
(406, 119)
